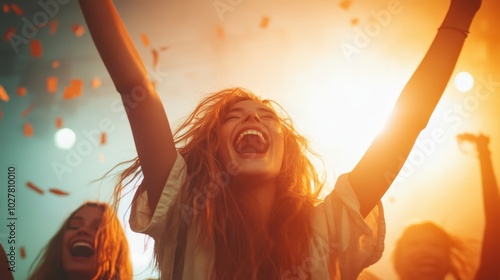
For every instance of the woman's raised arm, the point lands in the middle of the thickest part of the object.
(378, 167)
(150, 128)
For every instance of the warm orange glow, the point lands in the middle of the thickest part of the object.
(464, 81)
(74, 89)
(51, 84)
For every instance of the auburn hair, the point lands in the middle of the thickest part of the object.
(112, 251)
(243, 248)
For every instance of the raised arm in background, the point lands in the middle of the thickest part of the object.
(150, 127)
(378, 167)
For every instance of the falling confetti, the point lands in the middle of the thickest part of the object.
(103, 138)
(219, 31)
(59, 123)
(58, 192)
(28, 130)
(15, 8)
(27, 110)
(22, 252)
(155, 57)
(33, 187)
(11, 31)
(345, 4)
(36, 48)
(1, 115)
(354, 21)
(55, 64)
(3, 94)
(74, 89)
(6, 8)
(21, 91)
(145, 39)
(96, 83)
(78, 30)
(53, 27)
(51, 84)
(101, 157)
(264, 22)
(164, 48)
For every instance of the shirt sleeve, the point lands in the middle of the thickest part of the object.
(354, 242)
(141, 219)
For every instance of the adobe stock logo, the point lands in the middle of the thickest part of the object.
(363, 36)
(29, 30)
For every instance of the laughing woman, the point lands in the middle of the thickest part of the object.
(232, 194)
(90, 245)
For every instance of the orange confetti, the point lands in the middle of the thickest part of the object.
(36, 48)
(354, 21)
(101, 158)
(51, 84)
(21, 91)
(219, 31)
(55, 64)
(74, 89)
(58, 192)
(155, 57)
(6, 8)
(28, 130)
(145, 39)
(33, 187)
(27, 110)
(22, 252)
(11, 31)
(164, 48)
(103, 138)
(15, 8)
(96, 82)
(53, 27)
(59, 123)
(78, 30)
(3, 94)
(345, 4)
(264, 22)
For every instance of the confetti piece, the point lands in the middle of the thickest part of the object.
(58, 192)
(21, 91)
(59, 123)
(1, 115)
(219, 32)
(264, 22)
(78, 30)
(51, 84)
(6, 8)
(28, 130)
(33, 187)
(15, 8)
(164, 48)
(354, 21)
(103, 138)
(345, 4)
(27, 110)
(101, 158)
(3, 94)
(96, 82)
(145, 39)
(155, 57)
(36, 48)
(53, 27)
(11, 31)
(74, 89)
(22, 252)
(55, 64)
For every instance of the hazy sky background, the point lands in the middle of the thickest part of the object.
(337, 67)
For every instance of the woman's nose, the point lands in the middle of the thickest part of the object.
(85, 230)
(252, 116)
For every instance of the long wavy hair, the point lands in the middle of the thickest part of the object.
(460, 264)
(112, 251)
(243, 248)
